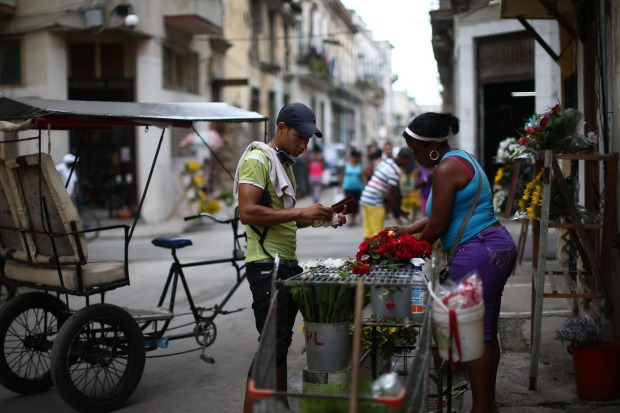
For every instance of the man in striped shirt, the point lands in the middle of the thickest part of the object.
(382, 191)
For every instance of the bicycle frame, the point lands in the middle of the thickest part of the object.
(176, 273)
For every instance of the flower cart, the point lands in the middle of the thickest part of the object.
(412, 397)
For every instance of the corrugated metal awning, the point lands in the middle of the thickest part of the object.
(69, 114)
(533, 9)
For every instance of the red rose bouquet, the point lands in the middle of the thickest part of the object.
(387, 249)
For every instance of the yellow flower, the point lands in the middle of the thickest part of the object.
(199, 180)
(192, 166)
(498, 176)
(391, 233)
(536, 195)
(531, 212)
(392, 330)
(210, 207)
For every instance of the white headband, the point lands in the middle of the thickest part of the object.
(422, 138)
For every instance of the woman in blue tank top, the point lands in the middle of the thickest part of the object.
(485, 247)
(352, 183)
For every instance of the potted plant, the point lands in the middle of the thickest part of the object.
(596, 357)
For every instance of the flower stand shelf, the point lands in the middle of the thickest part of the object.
(593, 240)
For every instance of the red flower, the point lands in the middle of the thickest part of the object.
(384, 248)
(361, 269)
(389, 304)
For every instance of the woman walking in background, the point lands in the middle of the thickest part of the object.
(315, 173)
(351, 181)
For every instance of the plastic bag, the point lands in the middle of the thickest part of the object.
(388, 385)
(466, 294)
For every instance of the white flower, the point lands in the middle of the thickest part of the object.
(499, 198)
(326, 263)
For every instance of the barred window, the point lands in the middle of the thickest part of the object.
(180, 69)
(10, 62)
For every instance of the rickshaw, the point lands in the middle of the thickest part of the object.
(94, 356)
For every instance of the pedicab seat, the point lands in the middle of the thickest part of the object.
(42, 240)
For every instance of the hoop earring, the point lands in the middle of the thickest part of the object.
(430, 155)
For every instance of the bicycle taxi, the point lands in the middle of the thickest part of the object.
(94, 356)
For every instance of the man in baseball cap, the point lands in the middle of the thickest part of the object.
(301, 118)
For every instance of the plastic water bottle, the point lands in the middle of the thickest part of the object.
(419, 290)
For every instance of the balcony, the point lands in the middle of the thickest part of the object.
(7, 9)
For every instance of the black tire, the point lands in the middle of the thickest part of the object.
(98, 358)
(29, 324)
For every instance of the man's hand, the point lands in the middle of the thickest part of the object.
(316, 212)
(342, 219)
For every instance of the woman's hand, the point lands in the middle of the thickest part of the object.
(400, 229)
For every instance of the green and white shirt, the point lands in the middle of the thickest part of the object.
(281, 238)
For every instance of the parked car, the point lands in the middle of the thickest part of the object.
(334, 155)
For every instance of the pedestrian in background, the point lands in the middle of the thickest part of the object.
(485, 248)
(68, 174)
(388, 151)
(374, 158)
(382, 192)
(351, 181)
(265, 187)
(315, 173)
(424, 183)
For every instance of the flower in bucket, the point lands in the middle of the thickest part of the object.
(386, 295)
(584, 332)
(386, 249)
(325, 302)
(530, 203)
(505, 150)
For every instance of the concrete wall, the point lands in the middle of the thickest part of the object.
(484, 23)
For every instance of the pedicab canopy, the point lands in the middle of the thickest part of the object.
(35, 113)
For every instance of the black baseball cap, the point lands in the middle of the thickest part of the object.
(301, 118)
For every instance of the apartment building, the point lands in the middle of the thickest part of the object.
(256, 54)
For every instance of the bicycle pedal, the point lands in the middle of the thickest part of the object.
(232, 311)
(207, 358)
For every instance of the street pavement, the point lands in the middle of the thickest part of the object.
(184, 383)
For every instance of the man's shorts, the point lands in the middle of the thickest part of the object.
(373, 220)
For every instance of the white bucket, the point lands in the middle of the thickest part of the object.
(470, 332)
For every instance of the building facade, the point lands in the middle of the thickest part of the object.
(254, 54)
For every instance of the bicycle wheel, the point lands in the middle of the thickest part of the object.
(98, 358)
(90, 220)
(29, 324)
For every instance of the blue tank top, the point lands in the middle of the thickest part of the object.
(352, 179)
(483, 216)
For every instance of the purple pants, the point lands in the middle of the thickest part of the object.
(492, 255)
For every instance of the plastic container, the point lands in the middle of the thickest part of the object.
(419, 289)
(467, 330)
